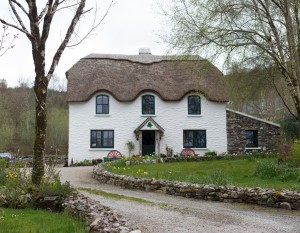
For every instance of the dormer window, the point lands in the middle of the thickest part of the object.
(148, 105)
(194, 105)
(102, 104)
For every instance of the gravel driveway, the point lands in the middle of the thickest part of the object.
(172, 214)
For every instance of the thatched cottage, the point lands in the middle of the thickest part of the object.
(154, 102)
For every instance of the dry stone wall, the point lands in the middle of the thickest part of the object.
(265, 197)
(99, 218)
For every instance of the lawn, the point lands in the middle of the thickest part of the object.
(238, 172)
(38, 221)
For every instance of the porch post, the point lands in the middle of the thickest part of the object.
(157, 142)
(140, 142)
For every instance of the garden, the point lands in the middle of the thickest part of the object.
(253, 169)
(21, 202)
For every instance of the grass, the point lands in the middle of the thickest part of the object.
(38, 221)
(238, 172)
(115, 196)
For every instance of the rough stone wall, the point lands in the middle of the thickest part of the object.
(237, 124)
(98, 218)
(265, 197)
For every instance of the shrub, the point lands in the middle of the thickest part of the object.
(169, 151)
(19, 192)
(85, 162)
(210, 153)
(3, 165)
(270, 169)
(294, 158)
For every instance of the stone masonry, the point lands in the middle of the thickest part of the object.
(238, 123)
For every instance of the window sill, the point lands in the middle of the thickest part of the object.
(102, 115)
(196, 148)
(253, 148)
(148, 115)
(101, 149)
(194, 115)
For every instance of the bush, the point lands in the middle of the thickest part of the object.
(3, 165)
(294, 158)
(19, 192)
(270, 169)
(210, 153)
(85, 162)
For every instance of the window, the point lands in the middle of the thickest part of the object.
(102, 139)
(251, 138)
(194, 105)
(194, 138)
(102, 104)
(148, 105)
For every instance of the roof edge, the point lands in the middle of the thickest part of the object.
(253, 117)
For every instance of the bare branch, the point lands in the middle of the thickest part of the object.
(16, 27)
(95, 24)
(17, 15)
(68, 35)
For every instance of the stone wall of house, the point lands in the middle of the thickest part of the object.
(238, 123)
(265, 197)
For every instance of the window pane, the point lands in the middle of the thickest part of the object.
(102, 104)
(102, 138)
(99, 99)
(148, 104)
(251, 138)
(99, 108)
(200, 139)
(105, 109)
(93, 139)
(194, 138)
(187, 138)
(194, 105)
(108, 138)
(105, 99)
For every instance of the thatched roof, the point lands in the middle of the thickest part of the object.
(126, 76)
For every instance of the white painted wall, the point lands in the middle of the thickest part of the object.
(125, 117)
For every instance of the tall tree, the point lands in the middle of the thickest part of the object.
(264, 32)
(36, 23)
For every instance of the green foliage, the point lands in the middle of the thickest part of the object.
(85, 162)
(127, 161)
(169, 151)
(235, 171)
(130, 147)
(290, 127)
(217, 177)
(34, 221)
(210, 153)
(294, 157)
(19, 192)
(17, 125)
(270, 169)
(3, 165)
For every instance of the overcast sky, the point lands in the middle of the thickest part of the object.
(130, 25)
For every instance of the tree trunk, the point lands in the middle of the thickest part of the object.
(40, 89)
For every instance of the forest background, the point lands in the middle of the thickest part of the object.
(258, 92)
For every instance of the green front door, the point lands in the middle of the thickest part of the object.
(148, 142)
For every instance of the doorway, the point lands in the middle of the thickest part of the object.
(148, 142)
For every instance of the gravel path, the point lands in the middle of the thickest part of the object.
(178, 214)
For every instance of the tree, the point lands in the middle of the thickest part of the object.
(36, 25)
(264, 32)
